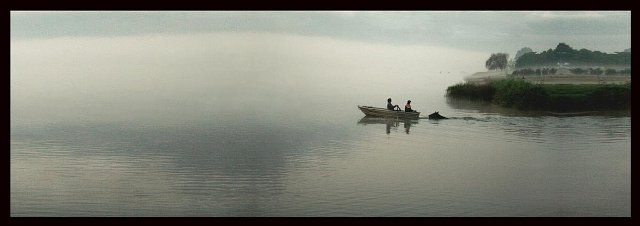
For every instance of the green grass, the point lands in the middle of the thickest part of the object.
(524, 95)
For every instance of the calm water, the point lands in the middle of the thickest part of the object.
(479, 164)
(293, 143)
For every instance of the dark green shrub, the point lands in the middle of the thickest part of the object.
(524, 95)
(610, 97)
(519, 94)
(471, 91)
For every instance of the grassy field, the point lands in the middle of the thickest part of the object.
(560, 97)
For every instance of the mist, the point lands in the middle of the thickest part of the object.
(179, 77)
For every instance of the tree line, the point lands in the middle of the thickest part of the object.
(563, 53)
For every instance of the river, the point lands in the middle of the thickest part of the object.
(230, 130)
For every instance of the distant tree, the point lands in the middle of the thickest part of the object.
(597, 71)
(497, 61)
(521, 52)
(511, 64)
(627, 50)
(545, 71)
(563, 48)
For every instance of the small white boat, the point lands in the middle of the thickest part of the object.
(386, 113)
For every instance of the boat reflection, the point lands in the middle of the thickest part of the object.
(389, 122)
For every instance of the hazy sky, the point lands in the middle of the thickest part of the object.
(486, 31)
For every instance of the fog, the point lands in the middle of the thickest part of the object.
(177, 77)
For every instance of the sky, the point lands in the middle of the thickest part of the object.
(485, 31)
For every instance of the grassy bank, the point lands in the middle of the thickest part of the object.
(524, 95)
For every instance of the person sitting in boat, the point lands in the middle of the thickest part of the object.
(407, 107)
(392, 107)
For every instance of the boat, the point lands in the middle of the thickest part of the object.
(385, 113)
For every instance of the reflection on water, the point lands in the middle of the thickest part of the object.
(407, 126)
(237, 169)
(389, 122)
(479, 106)
(474, 165)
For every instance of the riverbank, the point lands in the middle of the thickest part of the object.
(521, 94)
(482, 78)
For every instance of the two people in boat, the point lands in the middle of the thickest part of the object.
(407, 107)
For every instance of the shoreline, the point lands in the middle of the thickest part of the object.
(558, 99)
(481, 78)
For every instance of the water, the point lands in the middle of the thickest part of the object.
(258, 139)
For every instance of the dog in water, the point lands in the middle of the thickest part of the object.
(436, 115)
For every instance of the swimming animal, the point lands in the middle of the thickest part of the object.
(436, 115)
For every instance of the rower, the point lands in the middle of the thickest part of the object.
(407, 107)
(392, 107)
